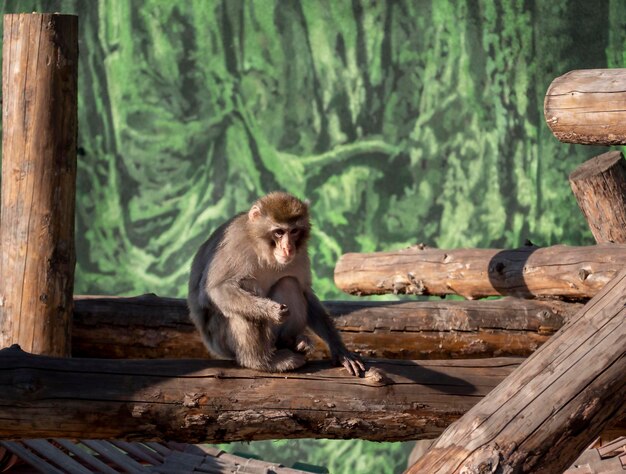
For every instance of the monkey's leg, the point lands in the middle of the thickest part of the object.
(253, 345)
(322, 325)
(290, 334)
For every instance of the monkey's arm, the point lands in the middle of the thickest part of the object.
(320, 322)
(232, 299)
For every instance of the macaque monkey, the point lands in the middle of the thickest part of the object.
(250, 290)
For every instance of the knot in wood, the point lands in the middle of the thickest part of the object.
(191, 400)
(376, 377)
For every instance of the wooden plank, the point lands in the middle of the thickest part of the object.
(85, 456)
(159, 448)
(30, 457)
(54, 454)
(177, 461)
(139, 451)
(611, 449)
(114, 455)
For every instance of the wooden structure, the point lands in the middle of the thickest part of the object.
(39, 117)
(588, 107)
(214, 401)
(610, 458)
(540, 416)
(558, 271)
(599, 186)
(546, 412)
(58, 456)
(151, 327)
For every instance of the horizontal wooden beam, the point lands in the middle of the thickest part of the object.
(558, 271)
(148, 326)
(212, 401)
(588, 106)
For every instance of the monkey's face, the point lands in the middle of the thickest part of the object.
(285, 242)
(279, 223)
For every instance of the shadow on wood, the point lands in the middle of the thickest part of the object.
(214, 401)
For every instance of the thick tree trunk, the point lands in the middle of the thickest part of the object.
(553, 406)
(588, 107)
(212, 401)
(559, 271)
(151, 327)
(600, 189)
(39, 98)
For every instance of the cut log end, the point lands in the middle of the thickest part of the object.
(588, 107)
(598, 165)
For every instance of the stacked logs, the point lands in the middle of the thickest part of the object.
(534, 416)
(550, 408)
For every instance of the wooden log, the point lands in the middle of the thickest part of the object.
(151, 327)
(599, 186)
(553, 406)
(588, 107)
(39, 96)
(213, 401)
(558, 271)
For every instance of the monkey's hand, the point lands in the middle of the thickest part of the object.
(352, 362)
(278, 312)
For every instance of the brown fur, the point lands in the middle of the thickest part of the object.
(249, 306)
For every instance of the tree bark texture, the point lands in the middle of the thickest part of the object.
(553, 406)
(151, 327)
(599, 186)
(37, 256)
(213, 401)
(558, 271)
(588, 106)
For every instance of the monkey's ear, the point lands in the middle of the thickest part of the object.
(254, 212)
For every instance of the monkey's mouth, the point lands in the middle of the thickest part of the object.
(283, 260)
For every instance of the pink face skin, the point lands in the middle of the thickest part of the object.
(285, 237)
(285, 240)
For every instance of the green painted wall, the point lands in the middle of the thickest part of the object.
(402, 122)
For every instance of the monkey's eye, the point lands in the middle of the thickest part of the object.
(294, 232)
(279, 233)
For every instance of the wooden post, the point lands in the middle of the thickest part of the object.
(37, 256)
(588, 107)
(600, 189)
(543, 415)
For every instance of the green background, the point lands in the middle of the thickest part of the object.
(401, 121)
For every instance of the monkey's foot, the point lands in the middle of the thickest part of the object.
(304, 345)
(284, 360)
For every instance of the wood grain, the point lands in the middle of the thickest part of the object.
(148, 326)
(558, 271)
(550, 408)
(212, 401)
(39, 119)
(599, 186)
(588, 107)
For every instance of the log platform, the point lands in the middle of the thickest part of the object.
(151, 327)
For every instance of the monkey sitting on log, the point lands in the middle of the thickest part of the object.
(250, 290)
